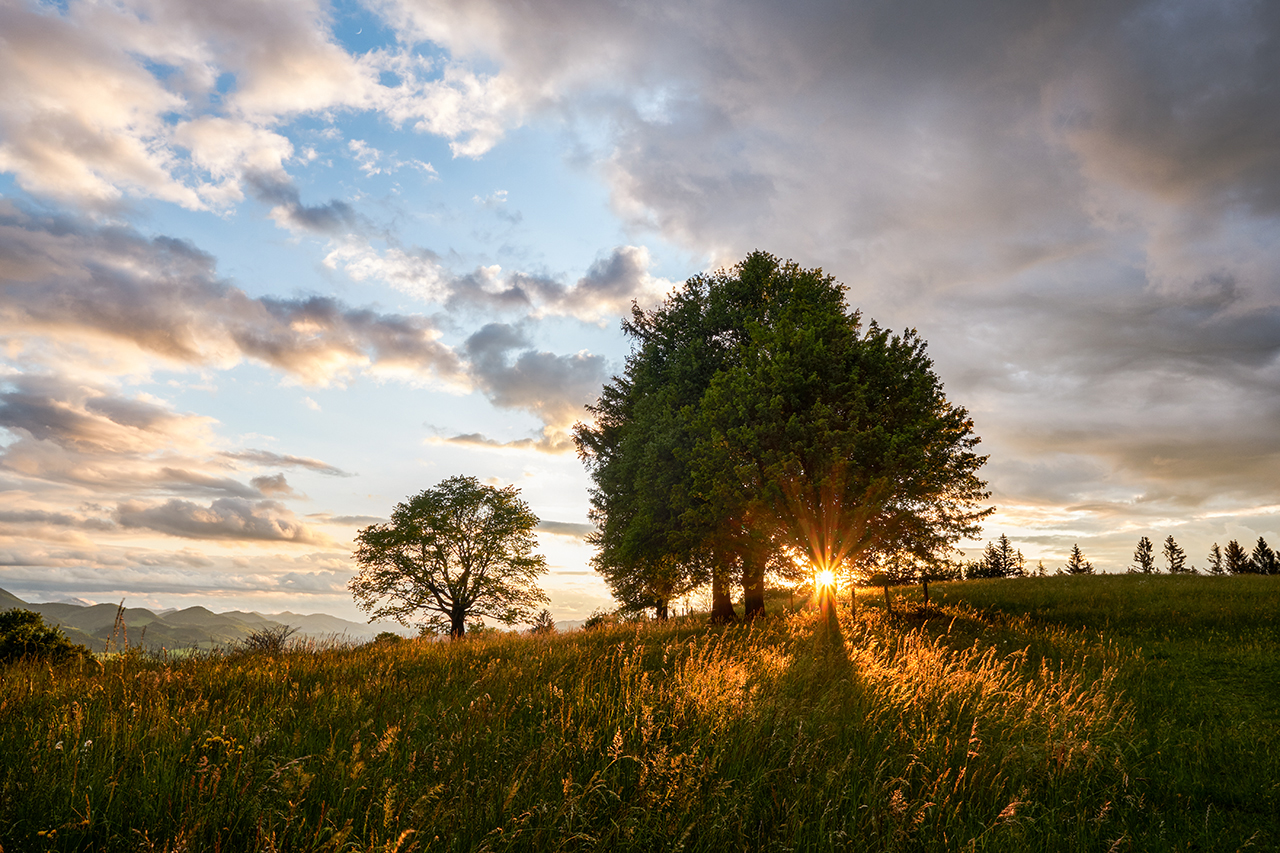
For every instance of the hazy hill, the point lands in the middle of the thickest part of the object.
(196, 627)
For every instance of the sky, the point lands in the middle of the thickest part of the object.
(268, 269)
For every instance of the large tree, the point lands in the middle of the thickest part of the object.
(459, 550)
(759, 424)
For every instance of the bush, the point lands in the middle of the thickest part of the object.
(543, 623)
(388, 637)
(600, 619)
(267, 641)
(24, 634)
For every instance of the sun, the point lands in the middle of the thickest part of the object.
(826, 577)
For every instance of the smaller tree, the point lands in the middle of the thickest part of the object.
(1077, 564)
(1237, 559)
(1174, 556)
(23, 634)
(1144, 559)
(1264, 559)
(454, 553)
(543, 623)
(1215, 560)
(999, 560)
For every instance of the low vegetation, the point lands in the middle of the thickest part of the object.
(1082, 713)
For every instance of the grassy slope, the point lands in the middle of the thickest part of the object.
(1054, 714)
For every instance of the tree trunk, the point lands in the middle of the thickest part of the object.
(721, 604)
(457, 625)
(661, 608)
(752, 588)
(924, 581)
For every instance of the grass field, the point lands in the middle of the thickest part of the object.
(1092, 713)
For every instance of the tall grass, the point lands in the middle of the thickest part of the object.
(959, 728)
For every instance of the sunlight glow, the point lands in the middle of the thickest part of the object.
(826, 577)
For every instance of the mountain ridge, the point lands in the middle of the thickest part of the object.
(192, 627)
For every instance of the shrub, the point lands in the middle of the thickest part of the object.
(267, 641)
(24, 634)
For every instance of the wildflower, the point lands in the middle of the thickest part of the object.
(58, 745)
(88, 743)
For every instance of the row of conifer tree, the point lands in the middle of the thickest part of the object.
(1002, 560)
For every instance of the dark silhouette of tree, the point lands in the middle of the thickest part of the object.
(758, 423)
(543, 623)
(460, 550)
(1263, 559)
(1237, 559)
(1144, 559)
(1175, 558)
(1076, 563)
(999, 560)
(1215, 560)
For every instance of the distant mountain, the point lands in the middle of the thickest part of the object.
(194, 627)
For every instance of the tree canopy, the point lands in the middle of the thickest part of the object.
(759, 424)
(459, 550)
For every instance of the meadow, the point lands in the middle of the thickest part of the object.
(1106, 713)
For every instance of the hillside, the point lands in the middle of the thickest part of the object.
(1017, 715)
(193, 627)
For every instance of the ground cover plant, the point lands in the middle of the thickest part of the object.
(1011, 715)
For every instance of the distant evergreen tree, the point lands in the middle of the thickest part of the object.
(1215, 560)
(1040, 570)
(1077, 564)
(1237, 559)
(1264, 559)
(1175, 557)
(999, 560)
(1144, 559)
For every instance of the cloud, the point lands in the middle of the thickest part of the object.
(553, 387)
(226, 518)
(67, 279)
(566, 528)
(606, 292)
(283, 460)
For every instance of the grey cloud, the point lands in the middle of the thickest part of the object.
(333, 218)
(225, 518)
(282, 460)
(566, 528)
(162, 295)
(553, 387)
(272, 486)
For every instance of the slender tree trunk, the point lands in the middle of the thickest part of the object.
(752, 587)
(458, 625)
(721, 604)
(924, 581)
(661, 608)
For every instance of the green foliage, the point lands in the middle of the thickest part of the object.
(1048, 714)
(23, 634)
(454, 553)
(1144, 558)
(758, 421)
